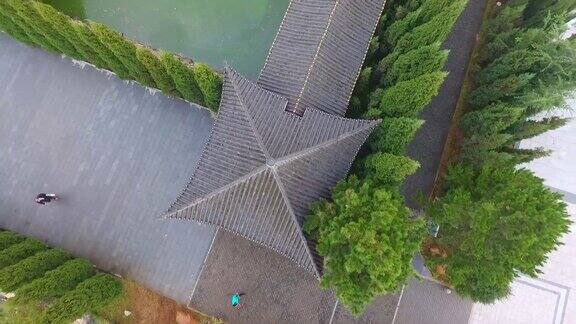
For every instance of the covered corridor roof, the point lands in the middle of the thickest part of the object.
(281, 144)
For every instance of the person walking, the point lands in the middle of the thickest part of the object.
(235, 300)
(44, 198)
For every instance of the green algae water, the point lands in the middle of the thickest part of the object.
(238, 32)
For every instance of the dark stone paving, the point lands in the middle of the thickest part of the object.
(429, 142)
(277, 291)
(118, 156)
(426, 302)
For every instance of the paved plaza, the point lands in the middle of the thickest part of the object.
(117, 154)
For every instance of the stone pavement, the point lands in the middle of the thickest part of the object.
(276, 290)
(426, 302)
(118, 156)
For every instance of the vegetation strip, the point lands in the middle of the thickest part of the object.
(50, 286)
(365, 233)
(497, 220)
(38, 24)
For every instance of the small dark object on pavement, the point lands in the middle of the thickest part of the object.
(44, 198)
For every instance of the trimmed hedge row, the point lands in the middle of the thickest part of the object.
(89, 296)
(57, 282)
(59, 287)
(14, 276)
(39, 24)
(20, 251)
(8, 238)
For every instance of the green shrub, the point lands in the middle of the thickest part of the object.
(8, 9)
(90, 296)
(8, 239)
(408, 98)
(497, 223)
(125, 51)
(99, 51)
(157, 70)
(57, 282)
(210, 83)
(367, 240)
(417, 62)
(394, 134)
(490, 120)
(476, 147)
(363, 83)
(183, 77)
(62, 24)
(15, 275)
(50, 37)
(388, 169)
(8, 26)
(20, 251)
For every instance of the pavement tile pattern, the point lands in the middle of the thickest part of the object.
(117, 155)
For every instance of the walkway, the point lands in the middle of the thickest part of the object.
(118, 155)
(420, 299)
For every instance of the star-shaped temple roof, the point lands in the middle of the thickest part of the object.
(263, 167)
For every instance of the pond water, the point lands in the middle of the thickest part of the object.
(239, 32)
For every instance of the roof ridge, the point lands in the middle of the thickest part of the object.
(303, 238)
(368, 124)
(248, 114)
(243, 178)
(329, 22)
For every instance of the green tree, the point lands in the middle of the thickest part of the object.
(402, 26)
(537, 10)
(394, 134)
(496, 222)
(210, 83)
(389, 169)
(125, 51)
(436, 30)
(157, 70)
(183, 77)
(90, 296)
(501, 89)
(408, 98)
(490, 120)
(55, 283)
(367, 240)
(526, 155)
(15, 275)
(530, 128)
(8, 239)
(415, 63)
(20, 251)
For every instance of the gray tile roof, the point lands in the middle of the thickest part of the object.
(318, 52)
(281, 144)
(263, 167)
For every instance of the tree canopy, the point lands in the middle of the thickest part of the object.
(367, 239)
(496, 223)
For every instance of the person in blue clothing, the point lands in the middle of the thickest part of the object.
(235, 300)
